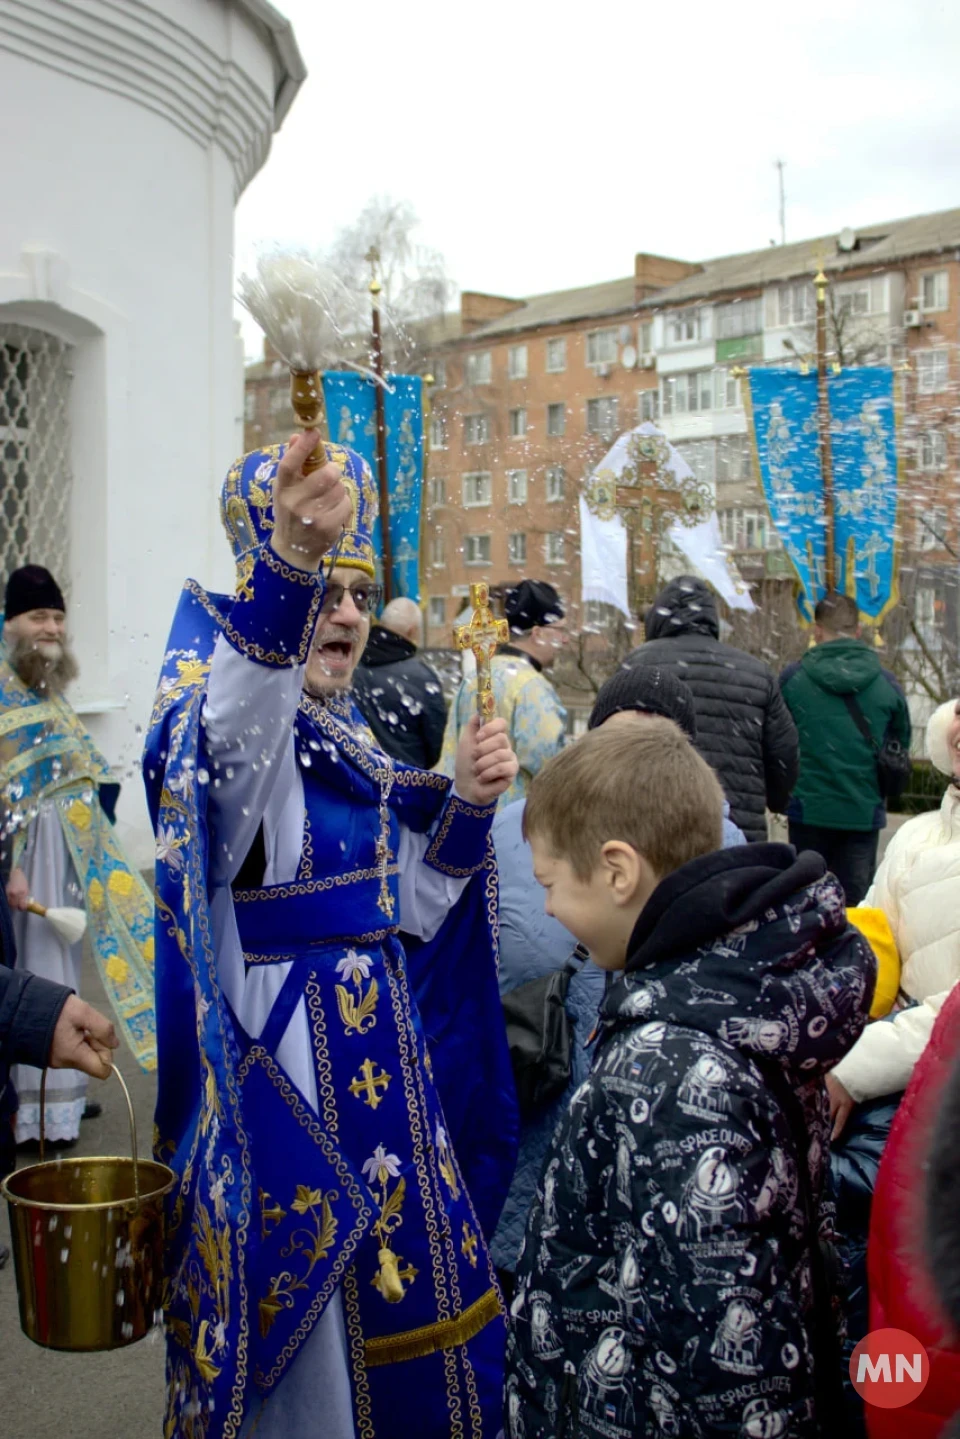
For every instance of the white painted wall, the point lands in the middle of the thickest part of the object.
(116, 232)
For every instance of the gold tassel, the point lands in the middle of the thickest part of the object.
(390, 1284)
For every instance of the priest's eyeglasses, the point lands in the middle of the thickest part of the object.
(366, 597)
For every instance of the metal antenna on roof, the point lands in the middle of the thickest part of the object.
(783, 202)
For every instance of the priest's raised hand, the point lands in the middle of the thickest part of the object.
(309, 510)
(486, 765)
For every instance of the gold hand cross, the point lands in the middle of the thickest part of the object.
(482, 634)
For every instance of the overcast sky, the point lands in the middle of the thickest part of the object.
(542, 145)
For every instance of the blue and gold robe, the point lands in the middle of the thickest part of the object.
(335, 1099)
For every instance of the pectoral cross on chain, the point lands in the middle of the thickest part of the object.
(482, 634)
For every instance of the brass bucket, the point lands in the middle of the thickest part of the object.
(88, 1245)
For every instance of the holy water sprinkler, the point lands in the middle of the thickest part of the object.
(305, 312)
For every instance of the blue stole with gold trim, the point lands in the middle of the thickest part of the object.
(47, 756)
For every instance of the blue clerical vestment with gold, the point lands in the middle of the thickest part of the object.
(335, 1094)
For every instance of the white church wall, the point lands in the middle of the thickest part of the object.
(116, 233)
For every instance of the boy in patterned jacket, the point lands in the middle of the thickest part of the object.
(666, 1284)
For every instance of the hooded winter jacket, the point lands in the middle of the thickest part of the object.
(664, 1285)
(401, 699)
(744, 729)
(838, 786)
(904, 1285)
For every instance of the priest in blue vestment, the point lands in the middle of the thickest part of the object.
(335, 1092)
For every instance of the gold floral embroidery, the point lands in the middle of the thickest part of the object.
(270, 1213)
(382, 1167)
(358, 1015)
(314, 1244)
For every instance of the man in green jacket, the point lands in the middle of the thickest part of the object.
(837, 808)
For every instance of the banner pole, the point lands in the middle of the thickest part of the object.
(823, 426)
(384, 485)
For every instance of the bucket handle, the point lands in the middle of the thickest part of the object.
(133, 1126)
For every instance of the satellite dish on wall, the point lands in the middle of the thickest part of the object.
(847, 239)
(628, 357)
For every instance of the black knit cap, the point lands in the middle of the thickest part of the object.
(31, 588)
(532, 603)
(650, 690)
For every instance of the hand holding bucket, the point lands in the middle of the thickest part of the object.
(88, 1244)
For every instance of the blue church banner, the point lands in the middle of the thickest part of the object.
(352, 420)
(865, 482)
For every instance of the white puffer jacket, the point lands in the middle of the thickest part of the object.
(918, 888)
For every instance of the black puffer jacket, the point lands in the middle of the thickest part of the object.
(401, 699)
(744, 729)
(664, 1283)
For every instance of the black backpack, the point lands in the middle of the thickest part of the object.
(539, 1035)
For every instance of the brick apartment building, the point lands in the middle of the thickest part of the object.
(529, 393)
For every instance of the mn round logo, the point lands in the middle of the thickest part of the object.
(889, 1368)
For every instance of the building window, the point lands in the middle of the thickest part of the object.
(854, 299)
(479, 367)
(747, 529)
(646, 348)
(744, 317)
(555, 479)
(438, 369)
(476, 429)
(518, 423)
(35, 446)
(517, 487)
(698, 391)
(517, 362)
(279, 400)
(436, 491)
(476, 549)
(797, 304)
(931, 530)
(250, 406)
(517, 549)
(648, 406)
(933, 371)
(701, 456)
(477, 489)
(438, 552)
(553, 547)
(597, 615)
(437, 610)
(556, 419)
(438, 432)
(733, 459)
(684, 326)
(602, 417)
(601, 347)
(556, 356)
(933, 450)
(935, 291)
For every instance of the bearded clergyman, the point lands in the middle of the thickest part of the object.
(58, 848)
(335, 1090)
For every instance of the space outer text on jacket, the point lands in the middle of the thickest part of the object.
(664, 1285)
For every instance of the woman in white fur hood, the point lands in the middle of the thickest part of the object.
(918, 888)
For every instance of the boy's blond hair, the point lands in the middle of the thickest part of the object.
(645, 785)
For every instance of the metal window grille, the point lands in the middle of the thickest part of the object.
(35, 472)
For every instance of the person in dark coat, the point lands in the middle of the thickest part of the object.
(41, 1023)
(744, 729)
(836, 691)
(665, 1281)
(532, 943)
(399, 695)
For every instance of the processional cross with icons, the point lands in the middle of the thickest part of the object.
(649, 497)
